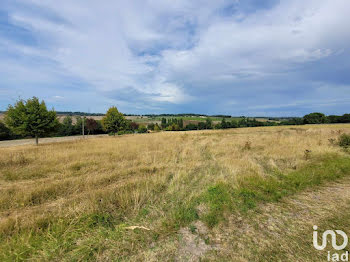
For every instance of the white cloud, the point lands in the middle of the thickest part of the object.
(174, 52)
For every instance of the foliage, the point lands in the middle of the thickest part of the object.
(151, 126)
(173, 127)
(293, 121)
(157, 128)
(67, 127)
(99, 129)
(334, 119)
(133, 126)
(191, 126)
(315, 118)
(124, 132)
(5, 132)
(113, 121)
(163, 122)
(181, 123)
(142, 129)
(345, 118)
(78, 126)
(344, 140)
(91, 125)
(31, 118)
(208, 123)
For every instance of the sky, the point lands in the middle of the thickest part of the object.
(251, 57)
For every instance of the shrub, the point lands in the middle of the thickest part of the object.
(191, 126)
(173, 127)
(151, 126)
(133, 126)
(142, 129)
(156, 128)
(344, 140)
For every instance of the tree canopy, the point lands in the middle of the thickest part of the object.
(31, 118)
(5, 132)
(315, 118)
(113, 121)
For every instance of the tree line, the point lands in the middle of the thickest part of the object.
(31, 118)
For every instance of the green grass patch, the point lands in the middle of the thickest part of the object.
(218, 198)
(256, 189)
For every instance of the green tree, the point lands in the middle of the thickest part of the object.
(224, 123)
(202, 125)
(315, 118)
(345, 118)
(113, 121)
(164, 124)
(66, 128)
(334, 119)
(181, 123)
(208, 123)
(78, 127)
(5, 132)
(234, 124)
(31, 118)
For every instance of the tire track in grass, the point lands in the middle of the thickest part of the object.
(283, 231)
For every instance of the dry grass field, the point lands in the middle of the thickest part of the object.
(248, 194)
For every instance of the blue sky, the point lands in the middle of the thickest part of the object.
(251, 57)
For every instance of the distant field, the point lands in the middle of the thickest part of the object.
(147, 120)
(247, 194)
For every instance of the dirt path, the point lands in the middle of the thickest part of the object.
(21, 142)
(278, 231)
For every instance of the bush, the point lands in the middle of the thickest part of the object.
(142, 129)
(156, 128)
(191, 126)
(151, 126)
(344, 140)
(132, 126)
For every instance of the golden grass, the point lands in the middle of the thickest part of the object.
(139, 179)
